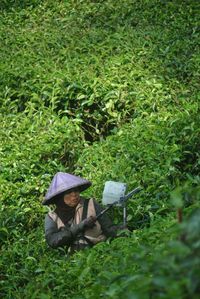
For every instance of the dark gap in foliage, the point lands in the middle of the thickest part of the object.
(143, 220)
(95, 121)
(190, 160)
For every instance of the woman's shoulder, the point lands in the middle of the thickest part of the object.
(51, 215)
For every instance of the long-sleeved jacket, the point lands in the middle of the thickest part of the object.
(70, 235)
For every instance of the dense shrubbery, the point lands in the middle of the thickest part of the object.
(101, 63)
(35, 145)
(150, 263)
(73, 73)
(157, 152)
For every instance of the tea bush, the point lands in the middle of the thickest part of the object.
(101, 63)
(110, 91)
(157, 152)
(35, 145)
(150, 262)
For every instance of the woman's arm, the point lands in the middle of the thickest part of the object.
(66, 235)
(54, 237)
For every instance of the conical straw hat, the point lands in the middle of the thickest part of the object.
(63, 182)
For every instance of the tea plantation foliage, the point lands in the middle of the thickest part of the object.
(108, 90)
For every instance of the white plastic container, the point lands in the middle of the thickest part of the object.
(113, 192)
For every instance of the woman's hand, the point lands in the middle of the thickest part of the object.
(88, 222)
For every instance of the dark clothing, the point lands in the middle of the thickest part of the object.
(67, 235)
(64, 212)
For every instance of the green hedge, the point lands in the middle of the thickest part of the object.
(102, 63)
(35, 145)
(107, 90)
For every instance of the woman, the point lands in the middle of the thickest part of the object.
(73, 223)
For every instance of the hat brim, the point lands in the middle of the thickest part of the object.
(54, 197)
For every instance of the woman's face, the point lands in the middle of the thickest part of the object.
(72, 199)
